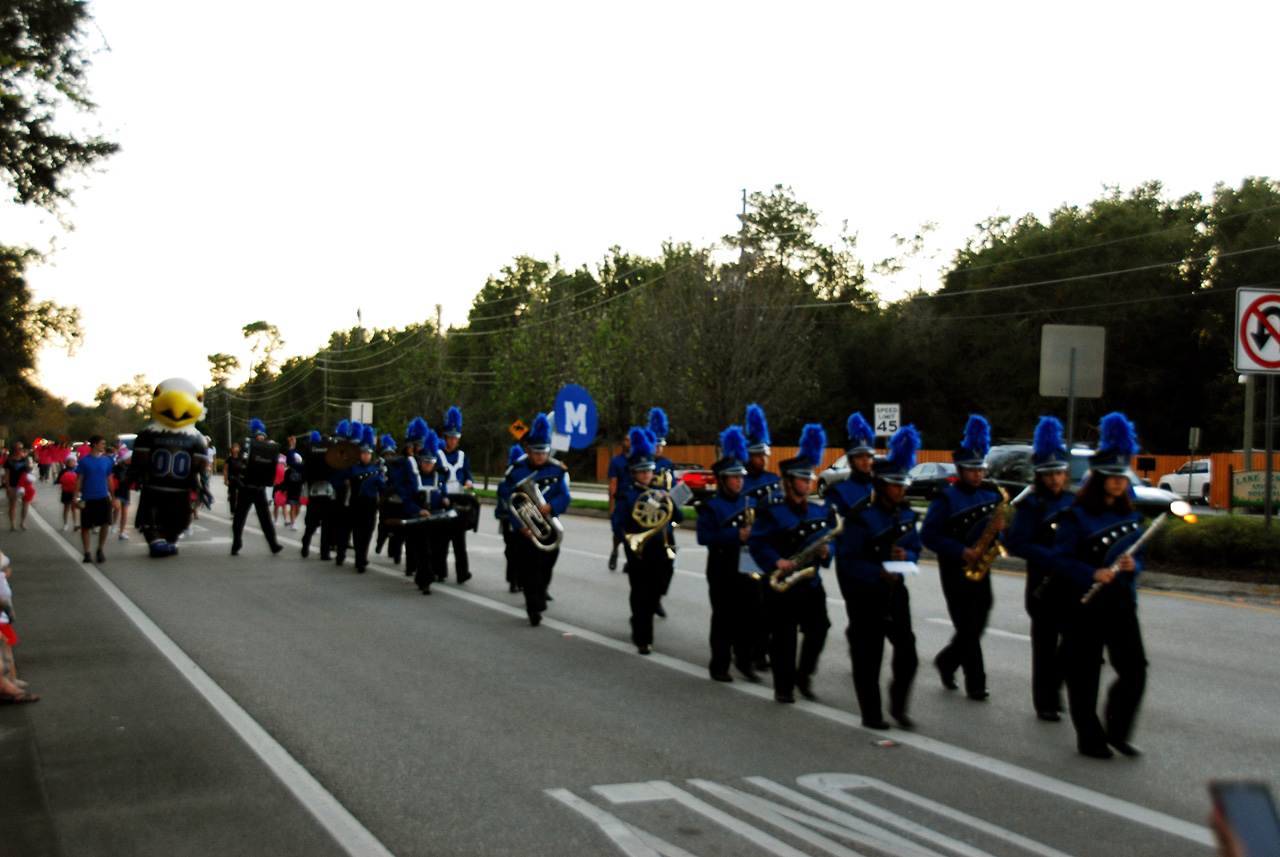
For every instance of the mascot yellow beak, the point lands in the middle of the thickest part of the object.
(177, 403)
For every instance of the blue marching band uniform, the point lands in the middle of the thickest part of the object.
(1081, 594)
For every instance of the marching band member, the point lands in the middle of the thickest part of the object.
(855, 492)
(415, 502)
(256, 476)
(664, 477)
(879, 531)
(504, 524)
(455, 462)
(1031, 537)
(533, 564)
(367, 484)
(649, 570)
(955, 521)
(316, 472)
(336, 529)
(724, 523)
(391, 508)
(1093, 535)
(781, 530)
(619, 479)
(762, 487)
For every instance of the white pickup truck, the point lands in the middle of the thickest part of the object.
(1191, 480)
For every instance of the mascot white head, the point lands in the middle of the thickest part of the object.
(177, 404)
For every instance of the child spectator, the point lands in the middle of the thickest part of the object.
(11, 689)
(70, 516)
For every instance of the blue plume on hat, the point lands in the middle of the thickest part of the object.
(453, 420)
(903, 447)
(1048, 437)
(514, 454)
(417, 430)
(813, 443)
(1118, 435)
(658, 422)
(257, 426)
(315, 436)
(757, 425)
(859, 430)
(355, 431)
(977, 434)
(734, 443)
(540, 434)
(388, 442)
(343, 429)
(367, 436)
(641, 442)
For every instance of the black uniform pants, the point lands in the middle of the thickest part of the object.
(1046, 631)
(649, 576)
(162, 515)
(364, 516)
(969, 605)
(457, 537)
(317, 510)
(532, 567)
(729, 592)
(336, 528)
(256, 498)
(877, 612)
(1108, 622)
(802, 609)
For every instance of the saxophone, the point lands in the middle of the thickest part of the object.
(987, 545)
(806, 561)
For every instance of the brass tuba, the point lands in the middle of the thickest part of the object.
(988, 545)
(653, 510)
(525, 506)
(806, 561)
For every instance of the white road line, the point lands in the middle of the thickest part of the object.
(995, 632)
(1015, 773)
(346, 830)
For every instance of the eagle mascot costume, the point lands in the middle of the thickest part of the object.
(170, 464)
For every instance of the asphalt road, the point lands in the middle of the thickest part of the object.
(274, 705)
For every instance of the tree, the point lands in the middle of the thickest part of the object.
(43, 70)
(222, 367)
(25, 327)
(265, 341)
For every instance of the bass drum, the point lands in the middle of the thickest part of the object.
(468, 508)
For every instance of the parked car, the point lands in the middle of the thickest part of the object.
(930, 478)
(1191, 481)
(1009, 466)
(699, 479)
(837, 472)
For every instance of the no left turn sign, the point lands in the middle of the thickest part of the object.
(1257, 330)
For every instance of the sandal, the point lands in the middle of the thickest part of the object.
(15, 698)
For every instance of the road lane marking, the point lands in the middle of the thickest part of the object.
(350, 835)
(937, 620)
(1005, 770)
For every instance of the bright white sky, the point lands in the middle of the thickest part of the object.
(293, 162)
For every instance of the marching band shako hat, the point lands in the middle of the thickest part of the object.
(862, 440)
(1047, 454)
(977, 440)
(416, 433)
(1116, 446)
(452, 423)
(355, 432)
(813, 443)
(314, 437)
(539, 438)
(342, 431)
(757, 431)
(642, 447)
(388, 444)
(659, 425)
(894, 467)
(734, 444)
(430, 450)
(367, 439)
(514, 454)
(257, 427)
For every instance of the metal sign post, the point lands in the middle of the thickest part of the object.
(1071, 363)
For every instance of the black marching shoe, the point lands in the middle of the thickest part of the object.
(644, 649)
(1124, 748)
(899, 714)
(978, 693)
(721, 675)
(1099, 752)
(1049, 715)
(277, 547)
(805, 686)
(535, 619)
(235, 547)
(744, 667)
(659, 612)
(613, 561)
(875, 723)
(780, 696)
(948, 676)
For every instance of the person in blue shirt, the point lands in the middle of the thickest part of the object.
(1036, 514)
(724, 523)
(855, 492)
(875, 598)
(93, 490)
(1089, 555)
(411, 500)
(619, 479)
(536, 562)
(367, 484)
(762, 488)
(780, 531)
(649, 571)
(955, 521)
(664, 477)
(454, 461)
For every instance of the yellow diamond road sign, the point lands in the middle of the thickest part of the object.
(518, 429)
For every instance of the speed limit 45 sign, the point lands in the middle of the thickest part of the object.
(887, 420)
